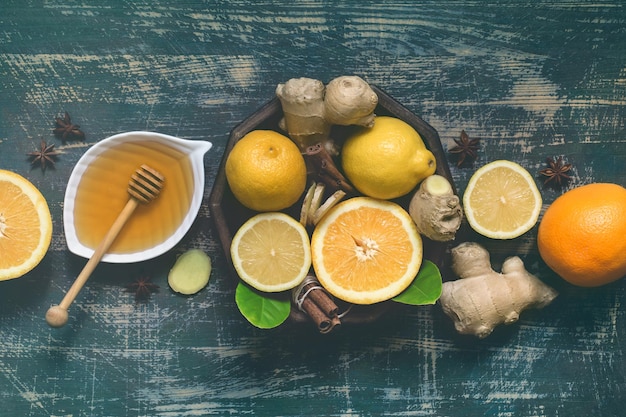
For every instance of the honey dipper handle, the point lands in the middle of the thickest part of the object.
(57, 315)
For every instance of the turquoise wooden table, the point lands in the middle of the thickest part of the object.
(531, 79)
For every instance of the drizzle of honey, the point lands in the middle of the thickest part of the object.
(101, 195)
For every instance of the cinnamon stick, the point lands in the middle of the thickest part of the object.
(334, 322)
(321, 298)
(321, 166)
(321, 320)
(311, 298)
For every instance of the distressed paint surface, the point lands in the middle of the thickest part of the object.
(531, 79)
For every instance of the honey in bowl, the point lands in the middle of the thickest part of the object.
(101, 196)
(97, 193)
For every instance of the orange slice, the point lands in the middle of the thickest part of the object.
(25, 226)
(271, 252)
(366, 250)
(501, 200)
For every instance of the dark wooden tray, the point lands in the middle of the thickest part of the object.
(228, 214)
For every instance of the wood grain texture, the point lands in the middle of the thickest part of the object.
(532, 79)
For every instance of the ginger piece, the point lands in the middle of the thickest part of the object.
(190, 273)
(302, 101)
(316, 201)
(306, 205)
(482, 298)
(314, 207)
(349, 100)
(436, 210)
(310, 109)
(325, 207)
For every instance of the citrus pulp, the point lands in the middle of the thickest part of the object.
(271, 252)
(501, 200)
(366, 250)
(25, 226)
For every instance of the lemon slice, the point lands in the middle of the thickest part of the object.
(271, 252)
(366, 250)
(501, 200)
(25, 226)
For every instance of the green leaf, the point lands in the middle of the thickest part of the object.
(261, 310)
(425, 288)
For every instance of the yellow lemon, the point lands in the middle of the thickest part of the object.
(387, 160)
(25, 225)
(501, 200)
(266, 171)
(271, 252)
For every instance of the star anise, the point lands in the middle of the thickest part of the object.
(66, 130)
(142, 288)
(556, 172)
(466, 148)
(45, 155)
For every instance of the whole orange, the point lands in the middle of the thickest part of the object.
(266, 171)
(582, 235)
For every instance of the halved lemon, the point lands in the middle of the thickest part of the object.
(271, 252)
(25, 226)
(501, 200)
(366, 250)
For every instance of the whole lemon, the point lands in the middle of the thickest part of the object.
(266, 171)
(387, 160)
(581, 235)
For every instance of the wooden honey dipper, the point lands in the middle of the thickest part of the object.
(144, 186)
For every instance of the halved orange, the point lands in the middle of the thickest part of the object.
(366, 250)
(25, 225)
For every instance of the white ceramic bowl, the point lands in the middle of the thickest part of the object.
(195, 151)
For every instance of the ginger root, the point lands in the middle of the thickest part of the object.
(436, 210)
(349, 100)
(311, 109)
(483, 298)
(302, 100)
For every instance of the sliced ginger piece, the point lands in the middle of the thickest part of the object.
(316, 201)
(306, 205)
(190, 273)
(330, 202)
